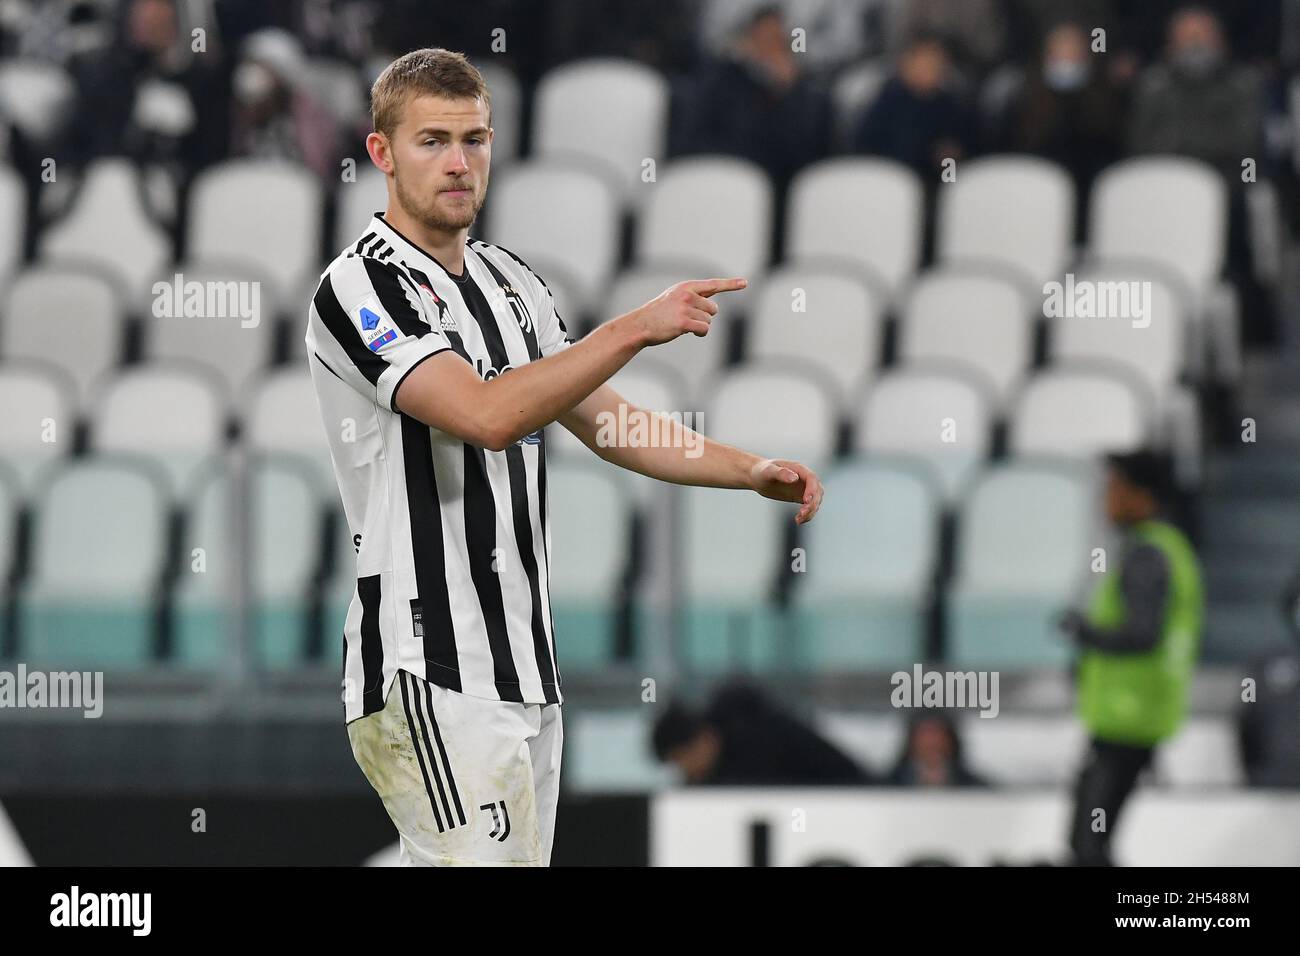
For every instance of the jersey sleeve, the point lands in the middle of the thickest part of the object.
(552, 335)
(375, 326)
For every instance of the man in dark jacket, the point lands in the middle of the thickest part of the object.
(741, 738)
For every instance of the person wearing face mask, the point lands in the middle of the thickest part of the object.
(756, 101)
(1067, 110)
(273, 117)
(1197, 102)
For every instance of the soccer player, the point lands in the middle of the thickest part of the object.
(437, 360)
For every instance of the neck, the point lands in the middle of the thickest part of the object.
(446, 246)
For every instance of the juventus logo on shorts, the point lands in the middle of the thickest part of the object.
(498, 832)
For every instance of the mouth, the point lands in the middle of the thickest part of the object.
(456, 193)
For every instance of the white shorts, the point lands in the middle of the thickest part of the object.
(476, 784)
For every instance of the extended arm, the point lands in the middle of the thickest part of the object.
(444, 392)
(685, 457)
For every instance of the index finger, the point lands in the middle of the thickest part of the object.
(708, 287)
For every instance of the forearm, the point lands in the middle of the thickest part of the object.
(534, 395)
(664, 448)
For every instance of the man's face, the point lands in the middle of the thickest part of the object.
(924, 68)
(151, 25)
(697, 757)
(1195, 30)
(441, 152)
(1126, 503)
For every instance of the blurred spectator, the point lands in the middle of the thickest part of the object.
(757, 103)
(1067, 110)
(274, 117)
(1252, 26)
(743, 738)
(838, 32)
(1138, 643)
(974, 31)
(916, 119)
(1030, 21)
(55, 30)
(1197, 102)
(661, 34)
(148, 96)
(932, 755)
(1270, 745)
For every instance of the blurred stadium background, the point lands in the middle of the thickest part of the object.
(167, 509)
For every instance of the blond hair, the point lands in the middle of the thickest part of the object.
(431, 71)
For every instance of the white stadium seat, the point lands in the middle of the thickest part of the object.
(507, 112)
(776, 410)
(1024, 539)
(1172, 210)
(262, 213)
(35, 96)
(610, 111)
(38, 404)
(98, 550)
(49, 308)
(1152, 346)
(110, 226)
(283, 416)
(1016, 212)
(826, 318)
(870, 571)
(357, 202)
(710, 209)
(978, 321)
(13, 222)
(935, 415)
(559, 219)
(867, 211)
(589, 530)
(232, 346)
(1079, 413)
(172, 415)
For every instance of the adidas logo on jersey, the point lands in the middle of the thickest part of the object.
(448, 323)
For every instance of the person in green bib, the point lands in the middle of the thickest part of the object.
(1138, 641)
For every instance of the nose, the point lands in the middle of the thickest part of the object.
(458, 162)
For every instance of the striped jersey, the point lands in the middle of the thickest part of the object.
(452, 540)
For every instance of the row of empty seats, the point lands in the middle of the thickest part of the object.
(177, 416)
(1013, 215)
(101, 552)
(819, 314)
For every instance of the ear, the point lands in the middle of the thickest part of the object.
(379, 149)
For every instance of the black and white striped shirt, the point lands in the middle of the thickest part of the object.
(454, 540)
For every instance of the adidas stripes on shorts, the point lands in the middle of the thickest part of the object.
(466, 780)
